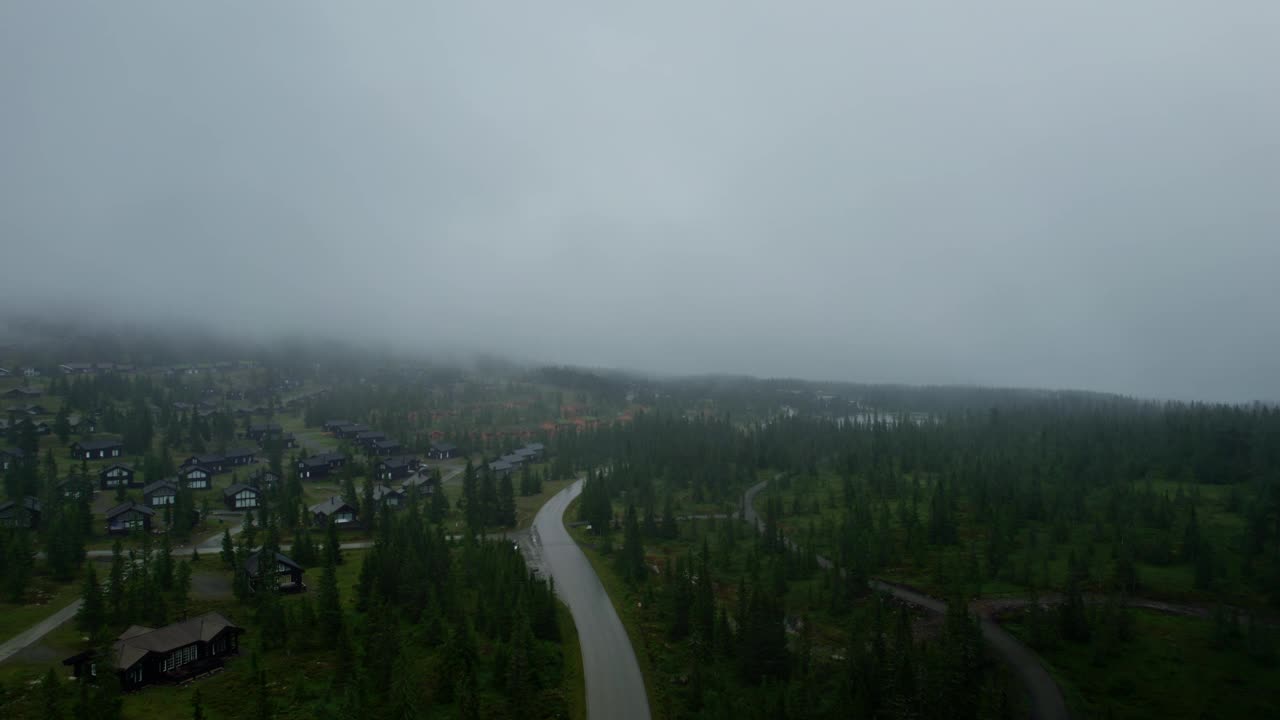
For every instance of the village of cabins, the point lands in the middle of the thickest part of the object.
(98, 469)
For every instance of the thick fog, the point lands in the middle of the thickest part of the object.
(1069, 194)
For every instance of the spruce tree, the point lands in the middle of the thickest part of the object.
(197, 706)
(181, 589)
(228, 549)
(439, 508)
(631, 559)
(470, 500)
(50, 697)
(18, 565)
(506, 503)
(92, 614)
(329, 604)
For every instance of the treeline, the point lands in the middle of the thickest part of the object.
(1011, 487)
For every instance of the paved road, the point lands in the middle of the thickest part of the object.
(615, 688)
(1044, 694)
(12, 646)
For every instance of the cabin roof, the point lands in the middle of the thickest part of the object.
(124, 507)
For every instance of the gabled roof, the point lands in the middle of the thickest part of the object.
(382, 491)
(444, 447)
(416, 481)
(537, 447)
(184, 471)
(166, 484)
(397, 461)
(238, 487)
(332, 505)
(96, 444)
(203, 460)
(127, 506)
(251, 562)
(241, 452)
(28, 502)
(500, 466)
(113, 466)
(387, 444)
(134, 643)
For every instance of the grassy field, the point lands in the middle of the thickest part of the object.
(44, 597)
(1171, 669)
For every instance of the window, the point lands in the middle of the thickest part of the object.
(179, 657)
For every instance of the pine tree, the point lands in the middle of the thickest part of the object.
(506, 503)
(50, 697)
(631, 559)
(264, 710)
(92, 615)
(62, 424)
(182, 589)
(332, 547)
(439, 508)
(470, 501)
(197, 706)
(228, 549)
(116, 586)
(18, 564)
(669, 529)
(488, 499)
(164, 564)
(329, 603)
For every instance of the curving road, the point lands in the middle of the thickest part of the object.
(615, 688)
(1044, 694)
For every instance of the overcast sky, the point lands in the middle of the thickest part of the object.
(1064, 194)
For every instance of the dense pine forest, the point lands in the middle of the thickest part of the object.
(1062, 514)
